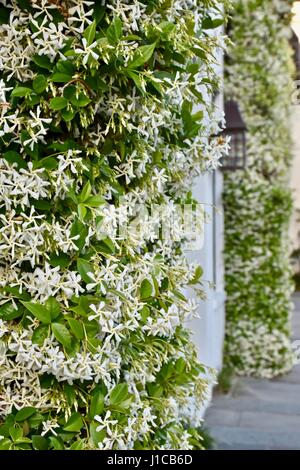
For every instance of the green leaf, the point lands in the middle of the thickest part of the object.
(179, 295)
(14, 157)
(141, 55)
(39, 84)
(62, 260)
(85, 193)
(94, 201)
(76, 328)
(25, 413)
(15, 433)
(50, 163)
(97, 404)
(39, 311)
(58, 103)
(105, 246)
(42, 204)
(75, 423)
(53, 307)
(60, 77)
(136, 79)
(118, 394)
(209, 23)
(40, 334)
(6, 444)
(4, 15)
(68, 114)
(114, 31)
(62, 334)
(146, 289)
(69, 92)
(197, 275)
(82, 211)
(21, 91)
(97, 436)
(90, 32)
(155, 390)
(79, 228)
(9, 312)
(25, 5)
(74, 347)
(70, 394)
(145, 313)
(56, 443)
(39, 442)
(99, 12)
(81, 101)
(66, 67)
(77, 445)
(35, 420)
(42, 61)
(84, 267)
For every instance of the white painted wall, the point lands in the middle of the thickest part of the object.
(208, 329)
(295, 178)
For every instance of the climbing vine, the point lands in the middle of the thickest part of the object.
(97, 114)
(257, 204)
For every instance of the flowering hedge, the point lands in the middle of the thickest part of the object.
(257, 203)
(96, 115)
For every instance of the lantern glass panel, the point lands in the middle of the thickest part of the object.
(237, 152)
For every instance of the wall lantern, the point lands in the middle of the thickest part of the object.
(295, 45)
(236, 129)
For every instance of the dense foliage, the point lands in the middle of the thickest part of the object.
(97, 115)
(257, 205)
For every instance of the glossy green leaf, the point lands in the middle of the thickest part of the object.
(42, 61)
(76, 328)
(97, 436)
(21, 91)
(94, 201)
(53, 307)
(60, 77)
(114, 31)
(90, 32)
(146, 289)
(84, 267)
(81, 101)
(25, 413)
(62, 334)
(141, 55)
(118, 394)
(97, 404)
(56, 443)
(58, 103)
(40, 334)
(39, 84)
(6, 444)
(12, 156)
(39, 311)
(9, 312)
(85, 193)
(39, 442)
(75, 423)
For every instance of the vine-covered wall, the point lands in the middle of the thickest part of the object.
(257, 201)
(96, 115)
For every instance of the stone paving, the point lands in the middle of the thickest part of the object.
(259, 414)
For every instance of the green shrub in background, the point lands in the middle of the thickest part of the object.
(96, 114)
(257, 204)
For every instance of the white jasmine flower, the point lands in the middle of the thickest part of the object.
(106, 423)
(87, 51)
(50, 426)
